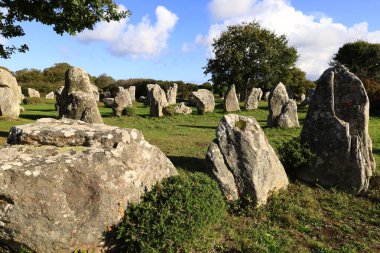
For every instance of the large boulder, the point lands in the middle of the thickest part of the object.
(252, 101)
(10, 95)
(172, 94)
(231, 102)
(336, 129)
(157, 101)
(32, 93)
(77, 100)
(121, 101)
(243, 162)
(204, 100)
(181, 108)
(282, 110)
(68, 182)
(132, 92)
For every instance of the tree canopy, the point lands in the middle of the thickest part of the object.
(248, 55)
(66, 16)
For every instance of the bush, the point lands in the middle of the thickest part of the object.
(295, 156)
(130, 111)
(174, 215)
(32, 101)
(169, 110)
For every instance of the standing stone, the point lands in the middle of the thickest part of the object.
(132, 92)
(266, 96)
(336, 129)
(308, 98)
(142, 99)
(121, 101)
(181, 108)
(10, 95)
(282, 110)
(252, 101)
(149, 88)
(303, 97)
(96, 93)
(261, 93)
(67, 182)
(50, 95)
(289, 91)
(157, 101)
(57, 95)
(32, 93)
(243, 162)
(204, 100)
(77, 100)
(231, 102)
(172, 94)
(108, 102)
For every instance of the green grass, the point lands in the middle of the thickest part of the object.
(302, 219)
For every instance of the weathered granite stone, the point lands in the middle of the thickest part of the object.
(282, 110)
(132, 92)
(57, 95)
(172, 94)
(50, 95)
(32, 93)
(308, 98)
(77, 100)
(10, 95)
(68, 182)
(231, 102)
(142, 99)
(157, 101)
(149, 88)
(243, 161)
(108, 102)
(266, 96)
(96, 93)
(336, 129)
(121, 101)
(181, 108)
(252, 101)
(204, 100)
(303, 97)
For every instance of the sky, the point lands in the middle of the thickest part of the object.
(171, 40)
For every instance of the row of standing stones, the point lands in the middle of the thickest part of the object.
(64, 182)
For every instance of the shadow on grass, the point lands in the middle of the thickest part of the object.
(37, 116)
(190, 164)
(41, 110)
(202, 127)
(4, 134)
(376, 151)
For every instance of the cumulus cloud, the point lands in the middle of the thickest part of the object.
(143, 40)
(315, 36)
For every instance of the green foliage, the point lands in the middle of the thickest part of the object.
(57, 72)
(32, 101)
(103, 81)
(169, 110)
(297, 82)
(130, 111)
(65, 17)
(295, 156)
(248, 55)
(174, 215)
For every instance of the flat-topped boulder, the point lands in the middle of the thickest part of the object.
(77, 100)
(66, 182)
(10, 95)
(231, 102)
(243, 162)
(336, 129)
(203, 100)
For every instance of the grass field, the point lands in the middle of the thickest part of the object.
(302, 219)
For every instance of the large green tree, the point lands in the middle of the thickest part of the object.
(66, 16)
(248, 55)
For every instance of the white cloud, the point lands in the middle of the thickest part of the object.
(222, 9)
(188, 47)
(143, 40)
(316, 37)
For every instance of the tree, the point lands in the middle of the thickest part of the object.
(248, 55)
(66, 16)
(57, 72)
(104, 81)
(297, 82)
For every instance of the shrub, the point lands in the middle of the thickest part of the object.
(169, 110)
(295, 156)
(174, 215)
(32, 101)
(130, 111)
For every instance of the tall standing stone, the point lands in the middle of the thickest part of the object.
(252, 101)
(282, 110)
(157, 101)
(149, 88)
(204, 100)
(172, 94)
(77, 100)
(95, 92)
(266, 96)
(132, 92)
(121, 101)
(243, 162)
(336, 129)
(10, 95)
(231, 102)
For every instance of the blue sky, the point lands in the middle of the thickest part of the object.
(170, 40)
